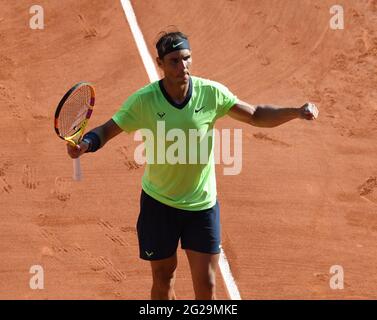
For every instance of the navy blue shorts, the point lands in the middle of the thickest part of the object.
(160, 227)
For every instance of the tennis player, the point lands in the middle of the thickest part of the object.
(179, 201)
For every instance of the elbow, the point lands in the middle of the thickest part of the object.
(253, 119)
(256, 121)
(259, 119)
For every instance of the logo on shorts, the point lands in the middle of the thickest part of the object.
(149, 254)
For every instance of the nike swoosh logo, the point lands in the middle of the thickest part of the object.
(176, 45)
(197, 110)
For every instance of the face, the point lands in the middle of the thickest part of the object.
(176, 66)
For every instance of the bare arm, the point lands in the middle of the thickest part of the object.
(270, 116)
(105, 132)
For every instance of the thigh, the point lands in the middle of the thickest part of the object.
(201, 231)
(158, 229)
(164, 269)
(202, 262)
(203, 271)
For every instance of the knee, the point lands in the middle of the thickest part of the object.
(206, 289)
(209, 285)
(164, 277)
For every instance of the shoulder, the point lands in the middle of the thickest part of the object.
(147, 90)
(141, 95)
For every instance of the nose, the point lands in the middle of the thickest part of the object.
(183, 65)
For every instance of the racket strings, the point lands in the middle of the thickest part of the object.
(74, 111)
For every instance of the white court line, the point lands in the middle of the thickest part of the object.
(230, 284)
(140, 42)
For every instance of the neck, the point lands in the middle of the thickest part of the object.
(176, 91)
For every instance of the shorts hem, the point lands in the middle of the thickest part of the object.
(157, 257)
(202, 251)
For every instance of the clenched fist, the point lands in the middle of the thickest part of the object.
(309, 111)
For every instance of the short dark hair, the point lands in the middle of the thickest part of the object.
(166, 39)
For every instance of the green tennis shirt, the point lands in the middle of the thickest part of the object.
(179, 140)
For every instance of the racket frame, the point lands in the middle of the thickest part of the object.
(75, 139)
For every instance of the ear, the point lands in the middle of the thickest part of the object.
(159, 62)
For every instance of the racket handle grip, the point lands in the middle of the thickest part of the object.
(76, 169)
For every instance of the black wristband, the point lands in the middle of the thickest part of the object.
(94, 141)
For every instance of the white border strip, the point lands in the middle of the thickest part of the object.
(230, 284)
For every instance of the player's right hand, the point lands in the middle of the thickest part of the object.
(75, 151)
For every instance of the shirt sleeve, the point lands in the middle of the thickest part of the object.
(224, 99)
(128, 117)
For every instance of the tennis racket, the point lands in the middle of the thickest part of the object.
(72, 115)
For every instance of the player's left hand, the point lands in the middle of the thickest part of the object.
(309, 111)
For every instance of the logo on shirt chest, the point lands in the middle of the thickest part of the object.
(198, 109)
(161, 114)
